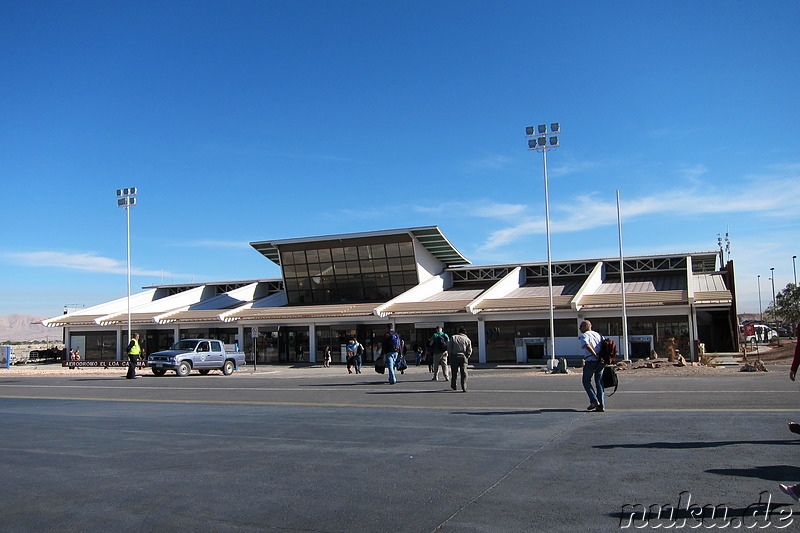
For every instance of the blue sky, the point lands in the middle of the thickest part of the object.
(254, 120)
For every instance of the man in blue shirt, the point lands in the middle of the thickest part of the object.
(591, 342)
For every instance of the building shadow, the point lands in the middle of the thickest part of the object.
(696, 444)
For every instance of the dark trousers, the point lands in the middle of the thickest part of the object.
(132, 360)
(458, 363)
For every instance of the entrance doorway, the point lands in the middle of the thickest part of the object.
(293, 344)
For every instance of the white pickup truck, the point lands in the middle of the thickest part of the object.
(203, 355)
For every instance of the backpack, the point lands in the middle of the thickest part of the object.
(608, 351)
(391, 342)
(610, 379)
(440, 342)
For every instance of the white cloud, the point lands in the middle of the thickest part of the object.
(572, 167)
(478, 208)
(693, 173)
(76, 261)
(772, 194)
(491, 162)
(213, 244)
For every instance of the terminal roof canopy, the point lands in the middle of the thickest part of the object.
(359, 267)
(431, 237)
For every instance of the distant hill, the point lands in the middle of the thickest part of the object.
(21, 328)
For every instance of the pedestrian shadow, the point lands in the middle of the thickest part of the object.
(697, 444)
(401, 391)
(770, 473)
(351, 383)
(104, 378)
(522, 412)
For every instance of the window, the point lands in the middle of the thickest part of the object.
(352, 272)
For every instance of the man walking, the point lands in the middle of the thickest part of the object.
(389, 348)
(591, 342)
(459, 349)
(438, 343)
(134, 350)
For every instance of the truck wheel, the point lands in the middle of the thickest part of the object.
(183, 368)
(159, 371)
(204, 372)
(228, 368)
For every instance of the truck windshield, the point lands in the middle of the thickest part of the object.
(184, 345)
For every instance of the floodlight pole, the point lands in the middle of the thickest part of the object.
(538, 141)
(760, 310)
(127, 198)
(772, 277)
(794, 269)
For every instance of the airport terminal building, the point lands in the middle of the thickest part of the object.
(336, 287)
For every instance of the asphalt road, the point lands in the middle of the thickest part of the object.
(320, 450)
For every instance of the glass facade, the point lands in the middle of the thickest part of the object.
(344, 271)
(669, 332)
(278, 344)
(97, 345)
(226, 335)
(501, 336)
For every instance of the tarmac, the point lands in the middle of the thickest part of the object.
(317, 449)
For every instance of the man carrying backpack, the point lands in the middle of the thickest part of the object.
(591, 342)
(389, 349)
(438, 343)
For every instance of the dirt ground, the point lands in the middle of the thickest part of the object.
(771, 356)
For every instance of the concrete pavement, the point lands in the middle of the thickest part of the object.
(320, 450)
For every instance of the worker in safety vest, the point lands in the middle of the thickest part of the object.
(134, 350)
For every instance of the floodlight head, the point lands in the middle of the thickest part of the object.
(553, 141)
(131, 201)
(555, 127)
(132, 191)
(119, 193)
(529, 130)
(542, 128)
(122, 202)
(541, 140)
(531, 143)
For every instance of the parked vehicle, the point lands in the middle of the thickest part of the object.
(203, 355)
(761, 333)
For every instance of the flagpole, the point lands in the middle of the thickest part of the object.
(624, 343)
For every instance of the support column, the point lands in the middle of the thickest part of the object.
(240, 336)
(118, 355)
(481, 340)
(312, 343)
(694, 355)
